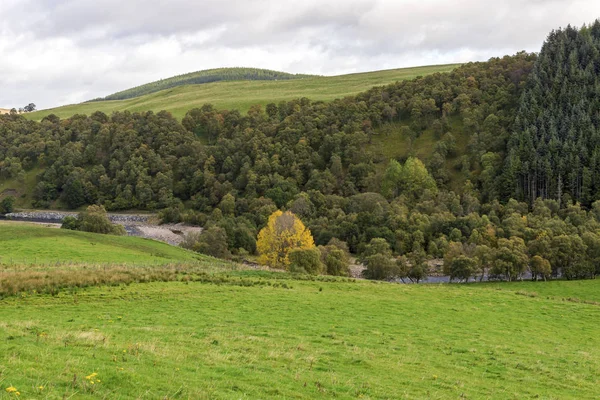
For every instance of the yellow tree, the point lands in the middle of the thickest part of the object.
(284, 232)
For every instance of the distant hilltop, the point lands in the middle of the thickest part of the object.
(205, 76)
(4, 111)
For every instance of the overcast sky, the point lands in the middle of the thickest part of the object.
(56, 52)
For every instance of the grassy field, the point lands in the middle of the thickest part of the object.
(22, 243)
(243, 94)
(295, 339)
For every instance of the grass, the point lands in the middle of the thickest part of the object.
(391, 143)
(205, 76)
(21, 190)
(22, 243)
(243, 94)
(299, 339)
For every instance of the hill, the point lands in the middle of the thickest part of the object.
(205, 76)
(22, 243)
(257, 335)
(4, 111)
(241, 95)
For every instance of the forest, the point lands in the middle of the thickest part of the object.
(522, 195)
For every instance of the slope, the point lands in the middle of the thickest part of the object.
(301, 340)
(22, 243)
(205, 76)
(242, 95)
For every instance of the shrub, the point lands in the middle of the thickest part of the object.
(94, 219)
(7, 205)
(212, 242)
(335, 260)
(380, 267)
(463, 267)
(306, 261)
(70, 222)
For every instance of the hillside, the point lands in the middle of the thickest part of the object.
(259, 335)
(241, 95)
(414, 169)
(23, 243)
(555, 144)
(205, 76)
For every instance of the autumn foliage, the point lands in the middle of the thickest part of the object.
(284, 232)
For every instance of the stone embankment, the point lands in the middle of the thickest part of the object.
(58, 216)
(134, 224)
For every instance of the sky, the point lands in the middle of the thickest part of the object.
(57, 52)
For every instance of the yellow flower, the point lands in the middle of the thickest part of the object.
(11, 389)
(41, 387)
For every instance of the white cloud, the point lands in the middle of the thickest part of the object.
(55, 52)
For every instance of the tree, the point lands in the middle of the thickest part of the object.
(284, 232)
(416, 267)
(390, 185)
(306, 261)
(463, 268)
(454, 250)
(212, 242)
(539, 267)
(415, 178)
(592, 241)
(335, 258)
(380, 267)
(567, 255)
(29, 107)
(485, 258)
(377, 258)
(73, 194)
(510, 259)
(410, 179)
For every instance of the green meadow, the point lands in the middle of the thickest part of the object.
(241, 95)
(23, 243)
(261, 335)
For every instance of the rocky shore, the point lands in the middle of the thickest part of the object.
(58, 216)
(134, 224)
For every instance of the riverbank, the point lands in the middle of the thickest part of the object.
(139, 225)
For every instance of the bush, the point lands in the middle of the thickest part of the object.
(335, 260)
(380, 267)
(95, 220)
(306, 261)
(413, 266)
(212, 242)
(70, 222)
(336, 263)
(463, 267)
(7, 205)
